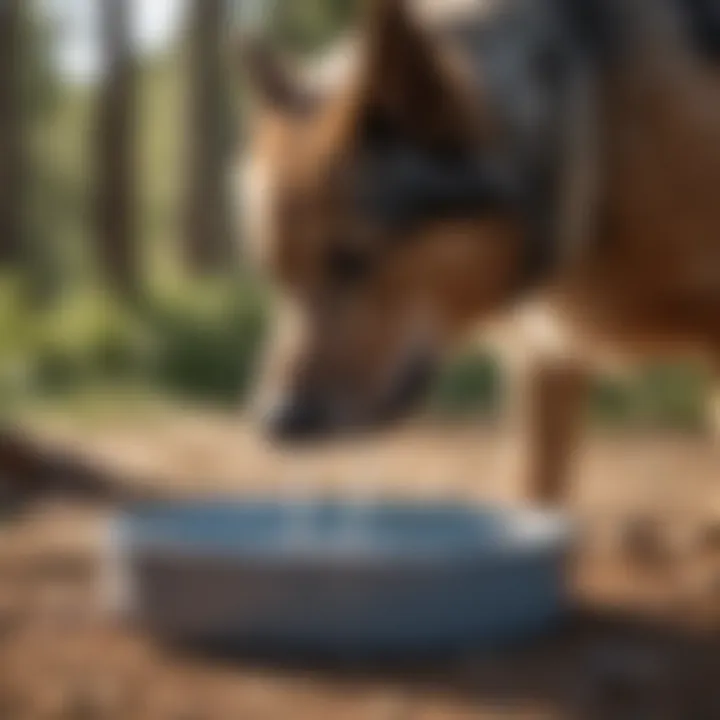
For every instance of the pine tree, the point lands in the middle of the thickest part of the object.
(116, 117)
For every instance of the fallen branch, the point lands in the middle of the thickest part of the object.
(31, 469)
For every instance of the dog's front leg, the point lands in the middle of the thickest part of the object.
(546, 411)
(713, 408)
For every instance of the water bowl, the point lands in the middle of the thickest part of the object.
(341, 578)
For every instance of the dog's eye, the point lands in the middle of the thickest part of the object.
(348, 265)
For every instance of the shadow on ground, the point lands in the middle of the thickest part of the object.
(606, 664)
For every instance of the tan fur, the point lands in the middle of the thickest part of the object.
(656, 280)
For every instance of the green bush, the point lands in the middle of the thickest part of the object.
(198, 344)
(206, 350)
(469, 385)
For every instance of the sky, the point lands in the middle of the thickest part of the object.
(155, 24)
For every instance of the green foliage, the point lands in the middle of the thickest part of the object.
(671, 395)
(83, 339)
(470, 385)
(197, 344)
(86, 339)
(205, 343)
(660, 395)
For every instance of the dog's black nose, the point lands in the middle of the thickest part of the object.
(295, 422)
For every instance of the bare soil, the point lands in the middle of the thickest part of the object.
(643, 641)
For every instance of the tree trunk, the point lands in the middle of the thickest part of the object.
(116, 201)
(208, 243)
(11, 135)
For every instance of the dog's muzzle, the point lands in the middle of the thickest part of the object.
(304, 419)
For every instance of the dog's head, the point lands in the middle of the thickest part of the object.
(385, 224)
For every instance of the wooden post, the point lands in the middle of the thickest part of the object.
(12, 160)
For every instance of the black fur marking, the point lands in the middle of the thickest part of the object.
(595, 26)
(703, 18)
(404, 190)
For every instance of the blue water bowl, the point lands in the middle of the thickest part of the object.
(338, 577)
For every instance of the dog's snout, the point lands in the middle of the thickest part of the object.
(295, 421)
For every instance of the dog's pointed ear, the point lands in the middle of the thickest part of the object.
(406, 90)
(271, 84)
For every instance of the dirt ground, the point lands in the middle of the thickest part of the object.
(643, 640)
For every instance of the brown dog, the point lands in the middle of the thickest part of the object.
(558, 160)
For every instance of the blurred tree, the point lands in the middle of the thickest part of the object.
(45, 191)
(116, 116)
(27, 93)
(12, 160)
(208, 242)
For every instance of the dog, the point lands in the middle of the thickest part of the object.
(462, 162)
